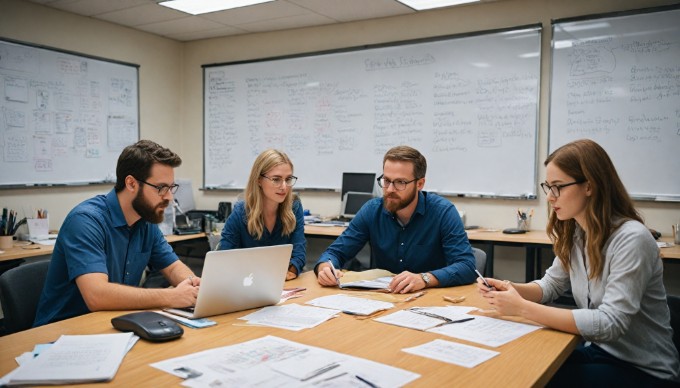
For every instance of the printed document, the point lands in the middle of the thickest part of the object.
(487, 331)
(290, 316)
(275, 362)
(453, 353)
(406, 318)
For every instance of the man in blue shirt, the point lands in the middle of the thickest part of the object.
(415, 234)
(106, 242)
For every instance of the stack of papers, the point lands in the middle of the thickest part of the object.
(74, 359)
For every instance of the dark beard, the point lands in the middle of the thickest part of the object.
(146, 211)
(392, 207)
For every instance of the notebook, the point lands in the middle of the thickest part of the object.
(239, 279)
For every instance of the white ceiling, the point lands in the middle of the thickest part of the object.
(146, 15)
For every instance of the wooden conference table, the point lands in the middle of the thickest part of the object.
(528, 361)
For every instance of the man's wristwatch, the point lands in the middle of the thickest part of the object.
(426, 278)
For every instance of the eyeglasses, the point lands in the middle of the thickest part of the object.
(162, 189)
(278, 181)
(398, 184)
(555, 189)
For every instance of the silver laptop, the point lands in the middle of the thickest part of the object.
(239, 279)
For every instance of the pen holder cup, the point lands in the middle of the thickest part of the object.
(676, 234)
(6, 242)
(38, 228)
(523, 223)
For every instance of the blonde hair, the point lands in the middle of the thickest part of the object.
(584, 160)
(254, 197)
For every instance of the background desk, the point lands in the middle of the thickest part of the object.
(528, 361)
(23, 250)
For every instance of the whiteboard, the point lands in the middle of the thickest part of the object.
(468, 103)
(64, 117)
(616, 80)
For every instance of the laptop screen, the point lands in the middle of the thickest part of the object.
(352, 202)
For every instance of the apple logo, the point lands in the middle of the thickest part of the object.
(248, 280)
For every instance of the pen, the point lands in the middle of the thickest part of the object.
(485, 282)
(321, 371)
(337, 279)
(363, 380)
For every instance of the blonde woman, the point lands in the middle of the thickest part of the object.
(270, 214)
(610, 260)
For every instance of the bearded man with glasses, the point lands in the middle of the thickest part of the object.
(106, 242)
(413, 233)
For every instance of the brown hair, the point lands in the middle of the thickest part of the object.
(585, 160)
(137, 159)
(408, 154)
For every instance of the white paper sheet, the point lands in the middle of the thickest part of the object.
(290, 316)
(486, 331)
(453, 353)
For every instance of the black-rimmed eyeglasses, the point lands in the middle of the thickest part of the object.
(278, 181)
(555, 189)
(162, 189)
(398, 184)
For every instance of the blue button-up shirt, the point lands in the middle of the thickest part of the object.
(433, 241)
(235, 234)
(95, 238)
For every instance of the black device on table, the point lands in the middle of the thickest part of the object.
(148, 325)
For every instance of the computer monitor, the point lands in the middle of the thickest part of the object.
(360, 182)
(352, 202)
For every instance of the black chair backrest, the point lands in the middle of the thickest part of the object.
(223, 211)
(674, 306)
(20, 290)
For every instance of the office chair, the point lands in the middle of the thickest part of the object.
(223, 211)
(214, 241)
(20, 290)
(674, 306)
(480, 259)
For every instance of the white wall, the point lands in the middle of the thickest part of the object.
(171, 92)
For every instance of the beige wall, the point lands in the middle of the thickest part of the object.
(160, 76)
(171, 88)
